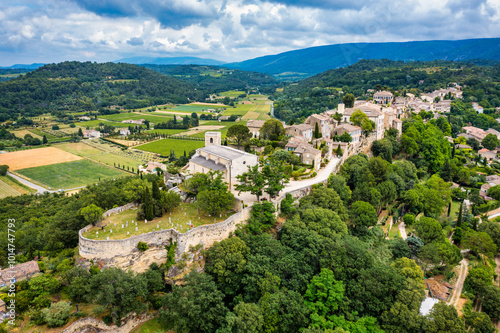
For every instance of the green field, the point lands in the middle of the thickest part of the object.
(164, 146)
(167, 131)
(6, 190)
(185, 215)
(196, 108)
(71, 174)
(95, 123)
(104, 157)
(42, 133)
(119, 117)
(231, 93)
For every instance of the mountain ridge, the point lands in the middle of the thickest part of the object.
(317, 59)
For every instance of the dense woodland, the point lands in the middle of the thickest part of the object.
(321, 92)
(214, 79)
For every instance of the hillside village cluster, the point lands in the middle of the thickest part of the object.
(385, 111)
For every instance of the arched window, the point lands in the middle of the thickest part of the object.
(211, 140)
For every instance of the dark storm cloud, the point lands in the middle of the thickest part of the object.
(170, 13)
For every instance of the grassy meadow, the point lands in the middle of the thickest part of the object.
(71, 174)
(164, 146)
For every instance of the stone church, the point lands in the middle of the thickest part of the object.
(215, 157)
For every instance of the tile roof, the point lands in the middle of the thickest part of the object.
(19, 272)
(224, 152)
(208, 163)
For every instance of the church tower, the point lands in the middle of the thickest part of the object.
(213, 138)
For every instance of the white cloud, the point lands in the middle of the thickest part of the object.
(57, 30)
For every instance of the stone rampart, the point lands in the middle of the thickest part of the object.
(206, 235)
(120, 209)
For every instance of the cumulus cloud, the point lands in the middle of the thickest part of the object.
(103, 30)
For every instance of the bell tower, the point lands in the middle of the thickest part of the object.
(213, 138)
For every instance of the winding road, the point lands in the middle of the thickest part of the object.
(39, 189)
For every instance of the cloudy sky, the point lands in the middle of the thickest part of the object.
(228, 30)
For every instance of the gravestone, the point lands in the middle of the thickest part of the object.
(136, 229)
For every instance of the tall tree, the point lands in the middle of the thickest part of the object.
(348, 100)
(272, 130)
(239, 132)
(252, 181)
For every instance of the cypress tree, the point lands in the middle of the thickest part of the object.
(156, 190)
(316, 131)
(147, 205)
(44, 139)
(459, 220)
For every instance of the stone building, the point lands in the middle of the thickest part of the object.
(383, 97)
(354, 131)
(18, 273)
(254, 127)
(325, 124)
(214, 157)
(302, 129)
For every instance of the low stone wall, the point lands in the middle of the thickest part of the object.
(91, 324)
(120, 209)
(120, 252)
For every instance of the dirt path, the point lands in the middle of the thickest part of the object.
(402, 230)
(455, 297)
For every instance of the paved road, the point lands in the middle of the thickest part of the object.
(293, 185)
(38, 188)
(464, 268)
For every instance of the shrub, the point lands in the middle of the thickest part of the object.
(55, 128)
(142, 246)
(57, 314)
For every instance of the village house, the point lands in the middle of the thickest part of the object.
(475, 132)
(383, 97)
(354, 131)
(91, 134)
(302, 129)
(152, 167)
(477, 107)
(299, 146)
(494, 132)
(18, 273)
(133, 121)
(254, 127)
(215, 157)
(488, 154)
(491, 181)
(373, 112)
(84, 118)
(124, 131)
(325, 124)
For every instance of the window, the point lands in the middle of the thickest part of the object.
(244, 162)
(211, 140)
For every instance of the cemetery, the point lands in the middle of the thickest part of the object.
(124, 224)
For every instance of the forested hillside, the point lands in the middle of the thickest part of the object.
(214, 79)
(90, 86)
(313, 60)
(324, 91)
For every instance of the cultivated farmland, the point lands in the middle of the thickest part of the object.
(71, 174)
(36, 157)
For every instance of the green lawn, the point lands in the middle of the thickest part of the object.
(71, 174)
(196, 108)
(164, 146)
(184, 216)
